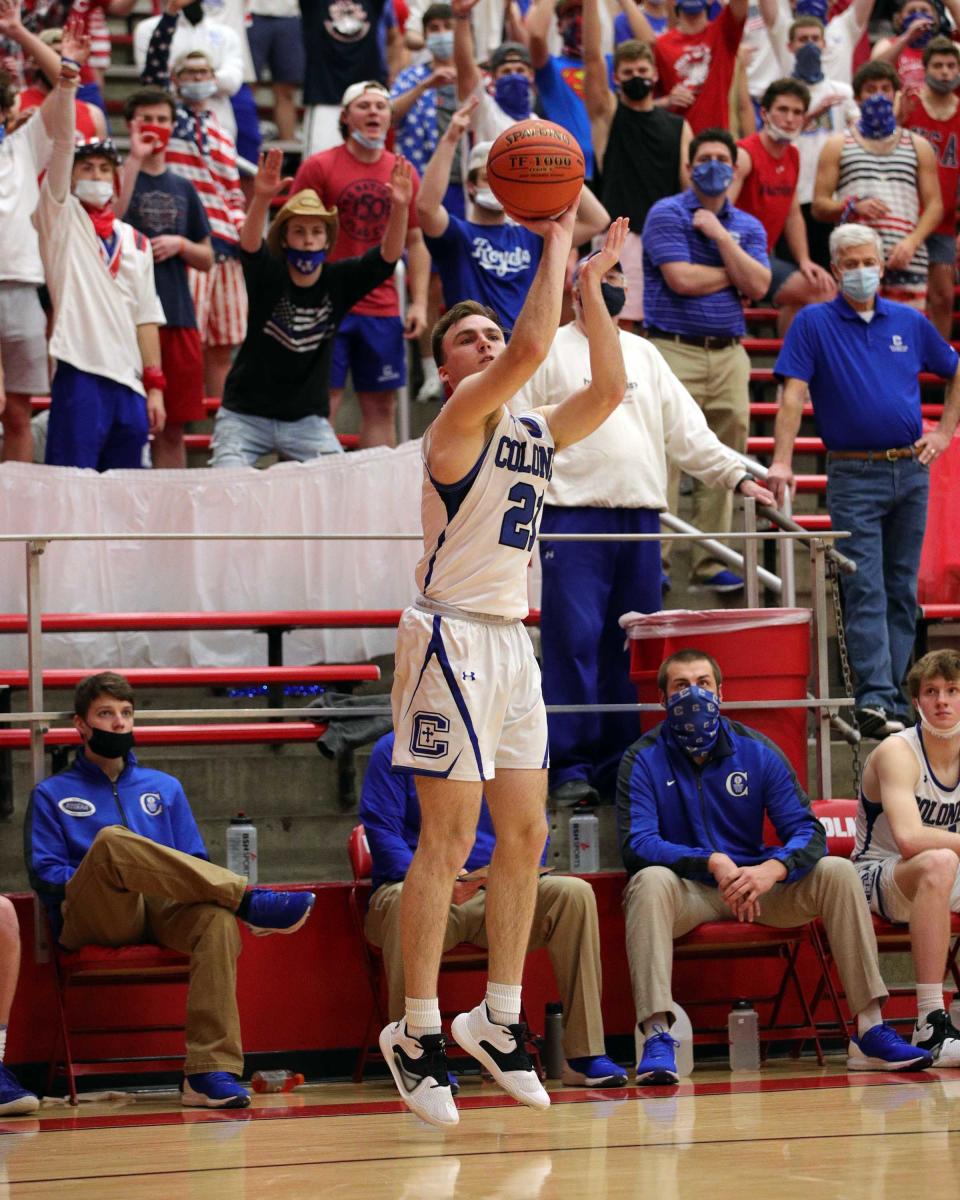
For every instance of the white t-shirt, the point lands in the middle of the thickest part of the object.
(96, 314)
(275, 8)
(764, 66)
(23, 155)
(215, 39)
(811, 141)
(841, 37)
(623, 464)
(233, 14)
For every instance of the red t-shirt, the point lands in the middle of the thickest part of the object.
(770, 187)
(33, 97)
(944, 136)
(359, 192)
(703, 62)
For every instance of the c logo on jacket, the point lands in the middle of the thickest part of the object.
(151, 804)
(737, 783)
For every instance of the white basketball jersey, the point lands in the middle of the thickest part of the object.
(939, 808)
(478, 534)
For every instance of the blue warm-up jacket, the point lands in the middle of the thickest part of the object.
(673, 813)
(68, 810)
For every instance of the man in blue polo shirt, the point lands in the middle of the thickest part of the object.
(699, 254)
(860, 356)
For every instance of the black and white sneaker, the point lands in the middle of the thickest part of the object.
(502, 1050)
(419, 1069)
(940, 1037)
(876, 723)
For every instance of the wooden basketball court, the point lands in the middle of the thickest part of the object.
(790, 1130)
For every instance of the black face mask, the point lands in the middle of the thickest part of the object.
(614, 298)
(636, 87)
(108, 744)
(193, 12)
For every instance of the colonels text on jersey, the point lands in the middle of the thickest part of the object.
(479, 533)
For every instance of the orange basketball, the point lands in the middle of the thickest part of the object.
(535, 169)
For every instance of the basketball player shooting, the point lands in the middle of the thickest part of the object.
(467, 704)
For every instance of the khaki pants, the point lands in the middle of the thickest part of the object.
(719, 382)
(129, 889)
(565, 921)
(660, 906)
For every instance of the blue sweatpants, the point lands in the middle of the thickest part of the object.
(94, 422)
(587, 586)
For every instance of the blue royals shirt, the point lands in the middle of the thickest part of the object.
(669, 236)
(863, 375)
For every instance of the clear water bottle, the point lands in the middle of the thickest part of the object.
(242, 848)
(553, 1041)
(682, 1033)
(744, 1029)
(584, 843)
(275, 1081)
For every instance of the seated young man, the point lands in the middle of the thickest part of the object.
(908, 851)
(565, 919)
(691, 799)
(115, 854)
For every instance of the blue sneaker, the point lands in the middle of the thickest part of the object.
(266, 911)
(659, 1062)
(883, 1049)
(213, 1089)
(14, 1099)
(720, 581)
(454, 1083)
(594, 1071)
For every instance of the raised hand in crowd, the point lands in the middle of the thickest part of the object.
(268, 180)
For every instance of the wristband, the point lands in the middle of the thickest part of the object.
(69, 62)
(849, 209)
(153, 377)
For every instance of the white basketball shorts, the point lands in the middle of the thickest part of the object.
(467, 697)
(884, 896)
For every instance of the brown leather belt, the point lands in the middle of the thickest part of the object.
(874, 455)
(687, 339)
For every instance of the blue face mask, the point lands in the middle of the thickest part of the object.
(368, 143)
(712, 177)
(812, 8)
(694, 719)
(920, 39)
(692, 8)
(807, 63)
(877, 119)
(304, 262)
(198, 90)
(440, 45)
(862, 283)
(512, 93)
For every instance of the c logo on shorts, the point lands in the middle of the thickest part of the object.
(424, 742)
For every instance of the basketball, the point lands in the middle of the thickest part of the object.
(535, 169)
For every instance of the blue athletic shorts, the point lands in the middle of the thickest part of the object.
(94, 422)
(277, 43)
(374, 352)
(248, 125)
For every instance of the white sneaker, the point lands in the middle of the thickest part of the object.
(501, 1049)
(939, 1037)
(430, 389)
(419, 1069)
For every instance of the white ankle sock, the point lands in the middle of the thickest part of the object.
(429, 367)
(649, 1026)
(868, 1017)
(422, 1016)
(503, 1002)
(3, 1042)
(929, 999)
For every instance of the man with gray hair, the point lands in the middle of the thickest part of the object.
(860, 356)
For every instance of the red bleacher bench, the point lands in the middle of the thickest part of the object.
(169, 677)
(801, 445)
(207, 733)
(932, 614)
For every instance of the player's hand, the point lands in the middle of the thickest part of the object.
(755, 489)
(167, 245)
(871, 209)
(708, 224)
(680, 96)
(556, 227)
(901, 255)
(930, 446)
(607, 257)
(460, 121)
(156, 413)
(916, 30)
(401, 182)
(722, 867)
(142, 145)
(416, 321)
(268, 181)
(75, 43)
(780, 480)
(10, 21)
(464, 890)
(741, 892)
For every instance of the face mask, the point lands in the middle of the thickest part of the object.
(94, 193)
(939, 733)
(368, 143)
(712, 177)
(160, 132)
(781, 135)
(694, 719)
(193, 12)
(199, 90)
(512, 93)
(692, 8)
(920, 39)
(440, 45)
(614, 298)
(484, 198)
(943, 86)
(636, 87)
(812, 8)
(876, 118)
(305, 262)
(108, 744)
(861, 283)
(807, 63)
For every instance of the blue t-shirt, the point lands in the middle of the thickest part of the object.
(863, 375)
(560, 103)
(669, 236)
(623, 33)
(494, 264)
(169, 204)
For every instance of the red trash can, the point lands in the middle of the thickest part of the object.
(764, 654)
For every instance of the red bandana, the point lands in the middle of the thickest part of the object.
(103, 219)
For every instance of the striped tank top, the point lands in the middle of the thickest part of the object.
(892, 178)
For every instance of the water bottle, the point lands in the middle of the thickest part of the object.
(553, 1058)
(744, 1028)
(584, 843)
(242, 848)
(682, 1032)
(275, 1081)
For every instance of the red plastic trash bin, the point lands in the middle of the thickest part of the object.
(764, 654)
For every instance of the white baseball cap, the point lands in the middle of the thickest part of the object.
(356, 90)
(478, 156)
